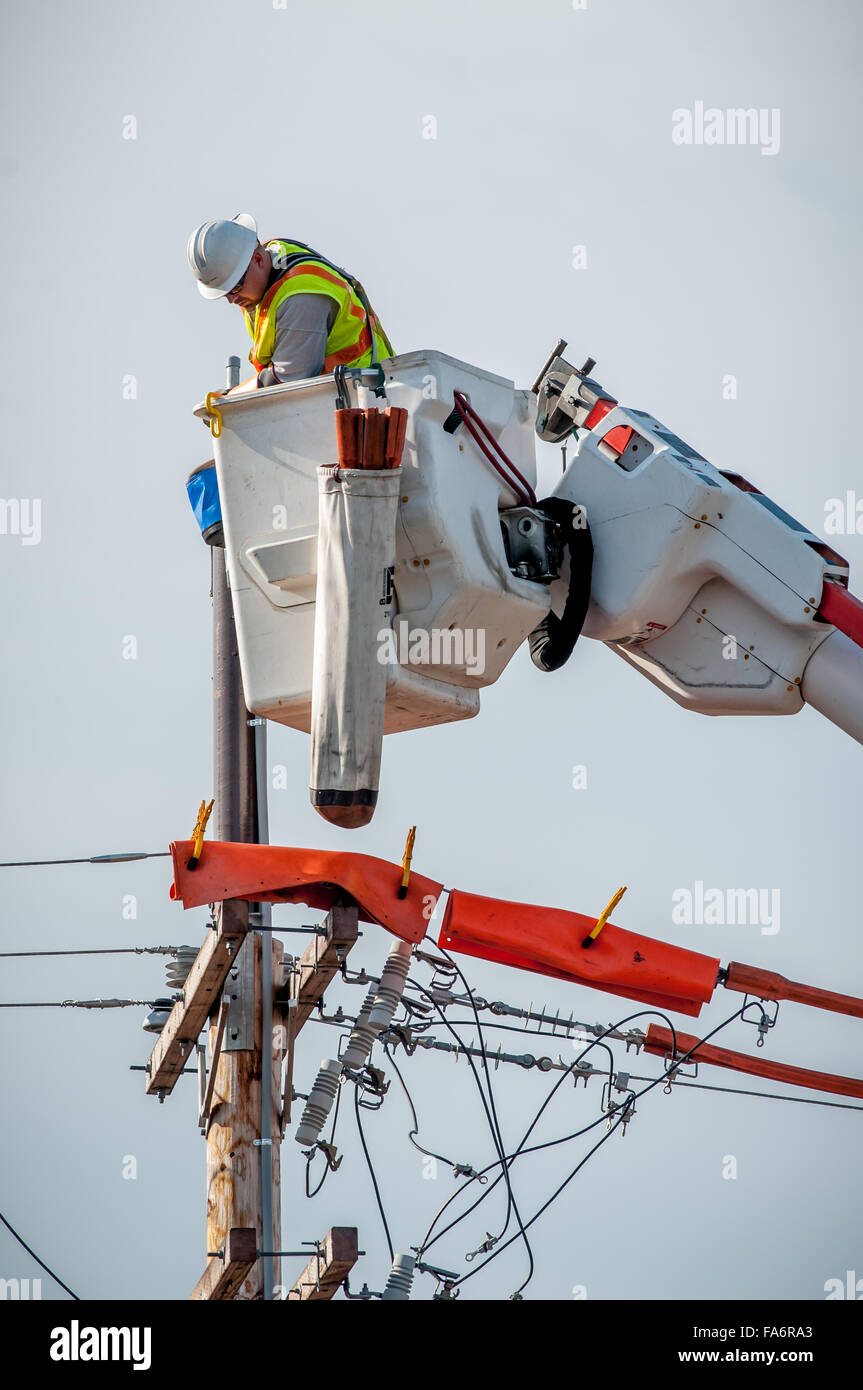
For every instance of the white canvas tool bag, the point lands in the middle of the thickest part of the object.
(354, 603)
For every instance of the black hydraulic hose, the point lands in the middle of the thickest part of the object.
(552, 640)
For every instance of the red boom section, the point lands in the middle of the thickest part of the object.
(548, 940)
(317, 877)
(843, 610)
(660, 1042)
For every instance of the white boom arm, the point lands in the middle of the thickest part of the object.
(701, 582)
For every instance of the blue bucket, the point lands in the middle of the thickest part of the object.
(203, 490)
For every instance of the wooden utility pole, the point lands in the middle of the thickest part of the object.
(242, 1103)
(242, 1151)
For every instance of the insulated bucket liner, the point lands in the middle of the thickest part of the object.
(356, 557)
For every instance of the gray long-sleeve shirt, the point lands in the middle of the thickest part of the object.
(303, 324)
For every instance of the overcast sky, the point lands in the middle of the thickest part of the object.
(125, 126)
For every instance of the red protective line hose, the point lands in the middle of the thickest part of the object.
(473, 424)
(660, 1042)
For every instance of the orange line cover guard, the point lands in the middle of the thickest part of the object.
(543, 939)
(317, 877)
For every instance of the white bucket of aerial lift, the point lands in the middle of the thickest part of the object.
(451, 576)
(355, 559)
(709, 590)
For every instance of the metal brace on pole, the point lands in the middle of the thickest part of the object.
(207, 1098)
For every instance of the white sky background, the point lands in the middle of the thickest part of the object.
(553, 129)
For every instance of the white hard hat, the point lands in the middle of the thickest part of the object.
(219, 252)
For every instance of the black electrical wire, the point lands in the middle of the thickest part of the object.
(628, 1104)
(496, 1138)
(505, 1165)
(510, 1158)
(416, 1129)
(551, 1143)
(500, 1249)
(548, 1144)
(39, 1262)
(598, 1041)
(566, 1138)
(511, 1202)
(372, 1171)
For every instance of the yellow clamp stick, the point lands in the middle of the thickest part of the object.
(603, 918)
(406, 862)
(198, 835)
(215, 413)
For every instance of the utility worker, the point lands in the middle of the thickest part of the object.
(304, 314)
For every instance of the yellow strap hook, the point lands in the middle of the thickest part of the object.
(215, 421)
(406, 862)
(603, 918)
(198, 834)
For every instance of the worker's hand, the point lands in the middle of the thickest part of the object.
(250, 385)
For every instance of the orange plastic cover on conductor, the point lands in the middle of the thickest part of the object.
(548, 940)
(316, 877)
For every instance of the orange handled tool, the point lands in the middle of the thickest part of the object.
(397, 423)
(375, 439)
(349, 436)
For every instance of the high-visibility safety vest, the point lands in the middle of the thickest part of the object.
(356, 338)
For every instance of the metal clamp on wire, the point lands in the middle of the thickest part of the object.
(674, 1069)
(765, 1020)
(488, 1244)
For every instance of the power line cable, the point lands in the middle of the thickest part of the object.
(763, 1095)
(511, 1202)
(496, 1138)
(39, 1262)
(628, 1104)
(99, 951)
(613, 1027)
(372, 1171)
(82, 1004)
(500, 1249)
(415, 1131)
(90, 859)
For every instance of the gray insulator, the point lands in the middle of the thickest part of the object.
(177, 969)
(158, 1015)
(391, 986)
(361, 1039)
(320, 1102)
(401, 1278)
